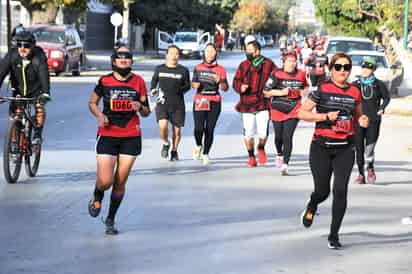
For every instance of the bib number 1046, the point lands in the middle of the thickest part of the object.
(121, 105)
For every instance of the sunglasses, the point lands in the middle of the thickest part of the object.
(368, 65)
(346, 67)
(123, 55)
(25, 45)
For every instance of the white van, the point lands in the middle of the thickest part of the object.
(191, 44)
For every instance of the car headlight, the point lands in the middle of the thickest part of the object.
(56, 54)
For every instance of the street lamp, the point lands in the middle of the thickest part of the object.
(405, 25)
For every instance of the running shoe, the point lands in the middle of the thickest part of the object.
(279, 161)
(196, 153)
(252, 162)
(94, 207)
(407, 221)
(262, 157)
(284, 170)
(110, 228)
(165, 151)
(371, 176)
(360, 180)
(174, 156)
(205, 159)
(333, 243)
(308, 215)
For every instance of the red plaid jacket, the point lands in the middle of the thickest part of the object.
(253, 99)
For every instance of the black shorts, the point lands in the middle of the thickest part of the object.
(115, 146)
(175, 115)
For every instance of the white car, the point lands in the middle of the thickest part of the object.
(346, 44)
(191, 44)
(390, 75)
(261, 41)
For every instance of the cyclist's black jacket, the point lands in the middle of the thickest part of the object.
(28, 81)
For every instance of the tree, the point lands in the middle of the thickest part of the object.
(263, 15)
(45, 11)
(251, 16)
(360, 17)
(171, 15)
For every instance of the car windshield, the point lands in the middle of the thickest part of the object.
(380, 60)
(48, 36)
(346, 46)
(186, 38)
(267, 38)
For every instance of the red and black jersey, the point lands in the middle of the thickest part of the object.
(205, 75)
(295, 82)
(329, 97)
(117, 97)
(255, 77)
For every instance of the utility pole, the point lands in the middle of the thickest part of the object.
(125, 25)
(8, 14)
(405, 25)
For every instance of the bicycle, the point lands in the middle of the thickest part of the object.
(18, 143)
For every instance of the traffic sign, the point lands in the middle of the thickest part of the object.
(116, 19)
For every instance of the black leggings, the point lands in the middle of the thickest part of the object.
(366, 139)
(205, 123)
(323, 162)
(284, 137)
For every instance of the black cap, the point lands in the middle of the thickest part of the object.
(25, 36)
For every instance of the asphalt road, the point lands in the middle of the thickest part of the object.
(185, 218)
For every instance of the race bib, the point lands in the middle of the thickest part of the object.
(123, 105)
(202, 104)
(343, 125)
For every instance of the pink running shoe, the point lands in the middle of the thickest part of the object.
(279, 161)
(371, 176)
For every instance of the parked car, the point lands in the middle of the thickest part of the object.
(62, 45)
(346, 44)
(261, 41)
(391, 75)
(269, 41)
(191, 44)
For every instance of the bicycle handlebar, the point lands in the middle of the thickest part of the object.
(16, 99)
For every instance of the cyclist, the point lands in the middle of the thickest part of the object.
(170, 81)
(208, 77)
(285, 88)
(249, 81)
(375, 98)
(338, 106)
(119, 134)
(29, 76)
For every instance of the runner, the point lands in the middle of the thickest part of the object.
(169, 82)
(208, 77)
(119, 135)
(249, 81)
(375, 98)
(283, 43)
(306, 52)
(285, 88)
(317, 63)
(338, 105)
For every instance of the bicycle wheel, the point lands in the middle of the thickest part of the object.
(12, 153)
(33, 152)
